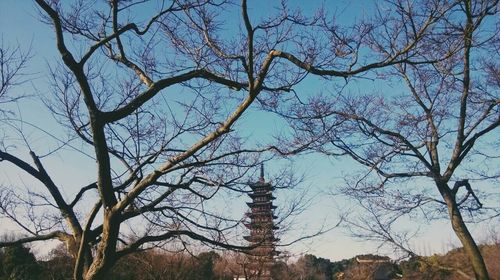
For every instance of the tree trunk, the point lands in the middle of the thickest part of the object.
(105, 256)
(463, 234)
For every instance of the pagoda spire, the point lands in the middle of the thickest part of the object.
(261, 179)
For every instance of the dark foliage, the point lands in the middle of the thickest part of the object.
(17, 262)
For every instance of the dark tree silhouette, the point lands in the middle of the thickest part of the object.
(17, 262)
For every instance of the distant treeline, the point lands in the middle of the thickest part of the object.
(19, 263)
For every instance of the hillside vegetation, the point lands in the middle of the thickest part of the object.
(19, 263)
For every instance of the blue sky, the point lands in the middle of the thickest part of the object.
(19, 24)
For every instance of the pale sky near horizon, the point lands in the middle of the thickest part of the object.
(19, 25)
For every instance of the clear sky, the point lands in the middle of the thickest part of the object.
(19, 24)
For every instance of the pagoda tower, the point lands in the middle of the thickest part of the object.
(261, 228)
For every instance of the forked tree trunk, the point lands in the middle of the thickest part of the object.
(463, 234)
(105, 256)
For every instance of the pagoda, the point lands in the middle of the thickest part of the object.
(261, 228)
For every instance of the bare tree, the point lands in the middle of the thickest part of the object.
(439, 132)
(154, 99)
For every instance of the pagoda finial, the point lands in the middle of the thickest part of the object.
(261, 172)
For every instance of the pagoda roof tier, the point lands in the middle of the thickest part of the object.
(261, 203)
(266, 240)
(261, 214)
(263, 185)
(259, 225)
(268, 194)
